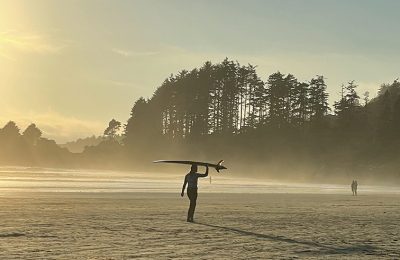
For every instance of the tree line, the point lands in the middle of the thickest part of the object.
(29, 148)
(225, 110)
(281, 126)
(227, 99)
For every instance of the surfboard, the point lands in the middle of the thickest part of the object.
(217, 166)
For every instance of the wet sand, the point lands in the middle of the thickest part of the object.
(129, 225)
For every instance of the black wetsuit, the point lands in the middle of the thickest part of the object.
(191, 179)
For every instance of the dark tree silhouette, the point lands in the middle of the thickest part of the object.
(318, 100)
(112, 129)
(32, 134)
(10, 130)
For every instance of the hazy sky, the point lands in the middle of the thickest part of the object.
(71, 66)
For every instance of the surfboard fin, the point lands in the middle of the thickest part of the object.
(219, 166)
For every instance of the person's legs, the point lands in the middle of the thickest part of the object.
(192, 194)
(194, 202)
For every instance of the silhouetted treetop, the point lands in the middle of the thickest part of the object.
(32, 134)
(112, 129)
(10, 130)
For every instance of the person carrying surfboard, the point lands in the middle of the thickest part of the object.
(191, 181)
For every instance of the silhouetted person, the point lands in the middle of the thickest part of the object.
(191, 180)
(353, 184)
(355, 187)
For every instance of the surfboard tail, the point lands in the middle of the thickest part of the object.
(220, 166)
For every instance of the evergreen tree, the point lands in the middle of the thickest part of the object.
(112, 129)
(299, 103)
(278, 93)
(10, 130)
(32, 134)
(318, 99)
(348, 111)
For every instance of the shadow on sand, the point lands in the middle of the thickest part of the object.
(321, 248)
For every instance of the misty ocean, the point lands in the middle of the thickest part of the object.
(20, 179)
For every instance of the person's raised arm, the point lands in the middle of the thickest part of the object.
(205, 174)
(183, 187)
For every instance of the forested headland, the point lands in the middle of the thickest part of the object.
(277, 128)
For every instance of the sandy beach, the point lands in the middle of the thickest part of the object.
(130, 225)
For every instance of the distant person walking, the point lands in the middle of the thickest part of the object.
(191, 181)
(354, 186)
